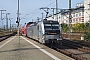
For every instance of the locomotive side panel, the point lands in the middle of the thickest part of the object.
(28, 31)
(35, 32)
(40, 33)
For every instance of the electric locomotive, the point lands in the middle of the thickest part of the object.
(44, 31)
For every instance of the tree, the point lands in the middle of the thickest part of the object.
(78, 27)
(87, 27)
(65, 27)
(87, 31)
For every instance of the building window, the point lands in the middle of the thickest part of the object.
(76, 15)
(75, 20)
(79, 14)
(89, 5)
(73, 15)
(72, 21)
(79, 19)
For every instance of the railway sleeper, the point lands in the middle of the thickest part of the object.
(6, 36)
(71, 46)
(77, 57)
(74, 44)
(3, 38)
(86, 51)
(86, 48)
(80, 45)
(65, 52)
(80, 49)
(55, 46)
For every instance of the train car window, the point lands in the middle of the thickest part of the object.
(47, 24)
(55, 26)
(47, 27)
(51, 26)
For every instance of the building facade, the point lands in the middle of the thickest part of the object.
(86, 10)
(80, 14)
(77, 15)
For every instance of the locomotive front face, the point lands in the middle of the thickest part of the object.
(52, 30)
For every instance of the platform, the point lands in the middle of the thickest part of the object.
(28, 50)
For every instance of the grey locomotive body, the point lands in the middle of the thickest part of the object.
(44, 31)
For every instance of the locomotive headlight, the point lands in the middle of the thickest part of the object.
(60, 36)
(42, 37)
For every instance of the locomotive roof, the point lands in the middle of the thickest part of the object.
(33, 24)
(30, 23)
(49, 21)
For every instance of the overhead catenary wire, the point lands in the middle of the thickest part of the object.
(48, 5)
(25, 6)
(35, 13)
(1, 7)
(39, 7)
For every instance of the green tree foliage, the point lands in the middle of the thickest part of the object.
(87, 31)
(87, 27)
(87, 36)
(65, 27)
(78, 28)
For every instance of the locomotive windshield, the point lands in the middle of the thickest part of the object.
(51, 26)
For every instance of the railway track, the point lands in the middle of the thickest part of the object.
(76, 45)
(72, 49)
(6, 36)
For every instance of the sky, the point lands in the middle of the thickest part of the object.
(30, 9)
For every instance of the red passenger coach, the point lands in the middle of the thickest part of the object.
(23, 30)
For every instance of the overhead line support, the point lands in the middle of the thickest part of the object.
(70, 19)
(1, 16)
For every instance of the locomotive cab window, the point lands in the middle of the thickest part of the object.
(51, 26)
(55, 26)
(47, 27)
